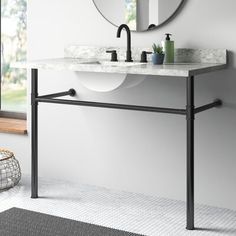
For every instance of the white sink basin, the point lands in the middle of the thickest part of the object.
(108, 63)
(120, 63)
(104, 82)
(86, 61)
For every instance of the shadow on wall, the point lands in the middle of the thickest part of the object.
(231, 60)
(228, 81)
(222, 231)
(220, 84)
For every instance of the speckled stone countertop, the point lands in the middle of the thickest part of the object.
(189, 62)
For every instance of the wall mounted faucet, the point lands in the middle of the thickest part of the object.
(128, 52)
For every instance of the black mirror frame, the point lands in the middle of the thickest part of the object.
(151, 27)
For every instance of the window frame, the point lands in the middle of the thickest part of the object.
(3, 113)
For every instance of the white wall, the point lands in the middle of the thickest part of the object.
(127, 150)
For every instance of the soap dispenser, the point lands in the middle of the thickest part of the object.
(169, 49)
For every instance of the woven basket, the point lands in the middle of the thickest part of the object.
(10, 173)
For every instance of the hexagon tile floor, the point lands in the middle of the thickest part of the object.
(131, 212)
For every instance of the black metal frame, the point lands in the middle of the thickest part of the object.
(189, 112)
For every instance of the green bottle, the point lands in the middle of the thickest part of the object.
(169, 49)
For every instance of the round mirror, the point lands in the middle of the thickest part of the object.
(139, 15)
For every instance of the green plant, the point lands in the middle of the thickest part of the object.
(157, 49)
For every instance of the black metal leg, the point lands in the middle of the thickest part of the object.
(34, 133)
(189, 112)
(190, 152)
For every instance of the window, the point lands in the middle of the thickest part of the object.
(13, 48)
(131, 11)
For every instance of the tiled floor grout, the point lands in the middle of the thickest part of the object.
(117, 209)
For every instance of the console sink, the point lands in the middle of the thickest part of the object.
(120, 63)
(110, 63)
(105, 83)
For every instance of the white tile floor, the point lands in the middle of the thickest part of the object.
(116, 209)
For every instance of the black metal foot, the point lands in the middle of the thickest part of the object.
(218, 102)
(72, 92)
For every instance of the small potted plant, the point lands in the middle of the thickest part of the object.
(158, 55)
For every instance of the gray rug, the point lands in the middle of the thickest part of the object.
(20, 222)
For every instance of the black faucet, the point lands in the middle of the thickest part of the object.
(128, 53)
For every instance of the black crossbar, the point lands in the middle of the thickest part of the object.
(216, 103)
(70, 92)
(112, 105)
(50, 98)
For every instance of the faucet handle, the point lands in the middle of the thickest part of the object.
(144, 56)
(113, 54)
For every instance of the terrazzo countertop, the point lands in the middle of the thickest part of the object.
(189, 62)
(79, 64)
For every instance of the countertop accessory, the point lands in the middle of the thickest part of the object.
(10, 173)
(169, 49)
(158, 55)
(113, 54)
(144, 56)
